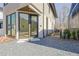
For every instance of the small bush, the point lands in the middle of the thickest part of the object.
(60, 33)
(66, 34)
(78, 34)
(73, 34)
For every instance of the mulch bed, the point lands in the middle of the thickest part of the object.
(5, 39)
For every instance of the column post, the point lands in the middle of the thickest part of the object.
(17, 27)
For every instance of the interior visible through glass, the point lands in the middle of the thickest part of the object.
(24, 29)
(34, 26)
(11, 25)
(8, 25)
(24, 21)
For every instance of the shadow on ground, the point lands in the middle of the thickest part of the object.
(66, 45)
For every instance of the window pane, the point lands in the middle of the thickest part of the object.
(11, 24)
(1, 24)
(34, 26)
(13, 19)
(8, 25)
(24, 25)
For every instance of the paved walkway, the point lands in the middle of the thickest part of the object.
(46, 47)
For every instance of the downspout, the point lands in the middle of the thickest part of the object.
(69, 22)
(43, 20)
(29, 27)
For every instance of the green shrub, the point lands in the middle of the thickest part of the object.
(78, 34)
(67, 34)
(60, 33)
(73, 34)
(64, 34)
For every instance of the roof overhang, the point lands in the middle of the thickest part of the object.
(53, 9)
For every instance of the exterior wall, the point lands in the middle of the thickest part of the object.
(1, 20)
(74, 22)
(38, 6)
(74, 16)
(40, 19)
(13, 7)
(51, 20)
(2, 29)
(45, 12)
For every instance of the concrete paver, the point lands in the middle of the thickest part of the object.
(45, 47)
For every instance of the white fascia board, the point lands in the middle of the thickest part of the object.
(73, 9)
(35, 9)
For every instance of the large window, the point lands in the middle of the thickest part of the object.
(13, 18)
(8, 25)
(1, 24)
(5, 4)
(11, 24)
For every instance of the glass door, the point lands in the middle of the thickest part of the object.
(27, 26)
(23, 26)
(34, 26)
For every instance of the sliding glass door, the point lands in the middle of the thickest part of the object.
(23, 26)
(34, 26)
(27, 25)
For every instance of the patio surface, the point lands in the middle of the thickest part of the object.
(45, 47)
